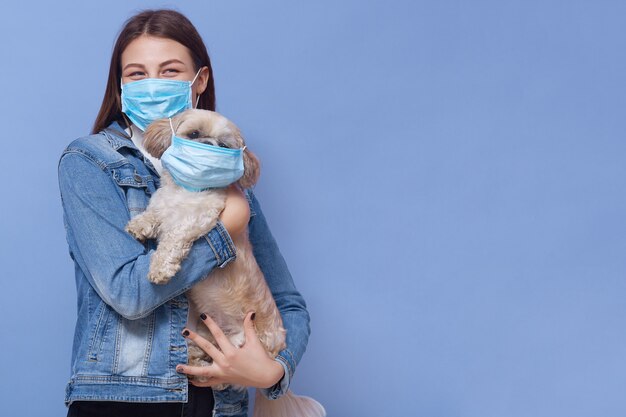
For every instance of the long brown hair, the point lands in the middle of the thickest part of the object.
(163, 23)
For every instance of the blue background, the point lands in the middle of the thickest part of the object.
(445, 180)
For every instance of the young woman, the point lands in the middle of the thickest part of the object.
(129, 355)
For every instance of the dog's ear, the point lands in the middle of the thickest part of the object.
(251, 169)
(157, 137)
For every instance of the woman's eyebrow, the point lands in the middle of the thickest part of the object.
(171, 61)
(132, 64)
(161, 65)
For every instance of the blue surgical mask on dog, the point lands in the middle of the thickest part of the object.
(198, 166)
(147, 100)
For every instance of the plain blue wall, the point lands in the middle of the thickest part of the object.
(445, 180)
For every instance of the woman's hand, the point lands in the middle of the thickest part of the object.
(236, 213)
(248, 365)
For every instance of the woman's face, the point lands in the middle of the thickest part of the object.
(153, 57)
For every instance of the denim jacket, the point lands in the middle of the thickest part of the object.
(127, 340)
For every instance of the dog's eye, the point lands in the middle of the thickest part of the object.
(195, 134)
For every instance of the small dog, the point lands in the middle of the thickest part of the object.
(177, 217)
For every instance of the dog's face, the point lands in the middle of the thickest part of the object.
(203, 126)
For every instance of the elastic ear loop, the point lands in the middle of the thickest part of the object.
(193, 81)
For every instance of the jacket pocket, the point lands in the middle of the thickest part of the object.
(136, 187)
(99, 332)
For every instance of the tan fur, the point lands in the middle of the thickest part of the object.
(177, 217)
(289, 405)
(230, 293)
(158, 137)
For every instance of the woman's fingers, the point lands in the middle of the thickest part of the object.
(218, 334)
(205, 371)
(203, 344)
(248, 365)
(249, 330)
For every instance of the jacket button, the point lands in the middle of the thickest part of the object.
(137, 177)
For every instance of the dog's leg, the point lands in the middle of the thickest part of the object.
(171, 250)
(176, 235)
(144, 226)
(166, 259)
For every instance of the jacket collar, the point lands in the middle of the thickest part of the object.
(118, 137)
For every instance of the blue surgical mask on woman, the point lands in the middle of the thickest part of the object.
(147, 100)
(198, 166)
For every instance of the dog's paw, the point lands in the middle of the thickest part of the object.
(134, 228)
(161, 268)
(158, 277)
(134, 232)
(140, 230)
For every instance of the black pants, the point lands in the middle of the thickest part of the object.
(200, 404)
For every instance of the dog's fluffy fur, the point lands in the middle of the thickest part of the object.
(177, 217)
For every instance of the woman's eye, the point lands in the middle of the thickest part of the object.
(171, 71)
(194, 135)
(222, 145)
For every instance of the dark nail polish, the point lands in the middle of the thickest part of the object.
(185, 332)
(203, 316)
(253, 316)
